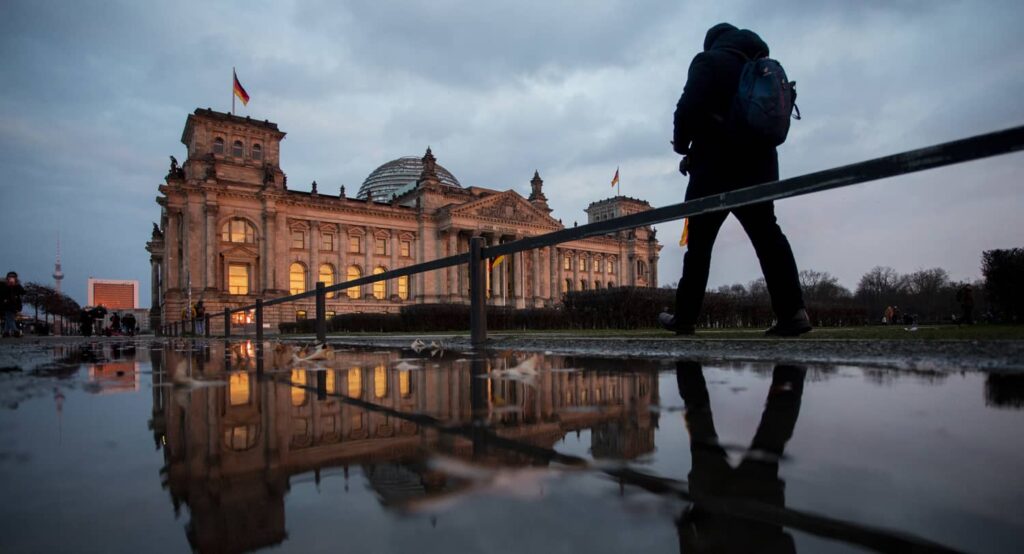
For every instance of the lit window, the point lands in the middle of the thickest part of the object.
(238, 279)
(218, 145)
(380, 246)
(332, 386)
(238, 230)
(297, 278)
(241, 437)
(257, 152)
(611, 267)
(238, 389)
(406, 246)
(355, 382)
(380, 287)
(567, 263)
(380, 381)
(298, 239)
(583, 263)
(237, 150)
(301, 315)
(298, 387)
(327, 241)
(404, 385)
(329, 314)
(403, 287)
(353, 273)
(355, 244)
(327, 276)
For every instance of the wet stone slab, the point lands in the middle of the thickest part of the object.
(157, 446)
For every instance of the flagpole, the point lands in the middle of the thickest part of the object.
(618, 184)
(233, 90)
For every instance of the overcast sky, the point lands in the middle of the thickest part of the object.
(94, 96)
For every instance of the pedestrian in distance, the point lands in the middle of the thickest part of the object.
(128, 324)
(733, 113)
(200, 314)
(115, 324)
(11, 292)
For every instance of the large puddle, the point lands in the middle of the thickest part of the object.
(154, 447)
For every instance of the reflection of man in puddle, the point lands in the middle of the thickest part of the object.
(755, 479)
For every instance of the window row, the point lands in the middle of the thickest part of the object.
(238, 149)
(352, 383)
(381, 246)
(569, 285)
(584, 264)
(298, 282)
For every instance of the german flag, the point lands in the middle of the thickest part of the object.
(685, 238)
(240, 90)
(615, 180)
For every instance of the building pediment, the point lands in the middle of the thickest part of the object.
(507, 206)
(240, 251)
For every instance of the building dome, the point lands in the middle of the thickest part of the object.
(400, 175)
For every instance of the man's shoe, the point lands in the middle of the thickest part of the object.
(792, 327)
(668, 321)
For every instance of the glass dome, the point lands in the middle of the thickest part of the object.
(397, 174)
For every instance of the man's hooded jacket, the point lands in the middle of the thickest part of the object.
(719, 160)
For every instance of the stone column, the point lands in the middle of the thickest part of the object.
(558, 257)
(314, 255)
(453, 249)
(154, 283)
(210, 247)
(267, 251)
(393, 244)
(172, 245)
(186, 249)
(576, 269)
(518, 276)
(590, 271)
(535, 277)
(369, 241)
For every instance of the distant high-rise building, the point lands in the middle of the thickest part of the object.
(113, 295)
(58, 275)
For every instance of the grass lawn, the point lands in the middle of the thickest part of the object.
(873, 332)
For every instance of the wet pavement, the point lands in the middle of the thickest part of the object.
(166, 446)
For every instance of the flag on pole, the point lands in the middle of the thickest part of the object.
(615, 180)
(240, 90)
(496, 261)
(686, 233)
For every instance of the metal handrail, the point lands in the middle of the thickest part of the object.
(948, 153)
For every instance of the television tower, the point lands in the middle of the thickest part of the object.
(58, 275)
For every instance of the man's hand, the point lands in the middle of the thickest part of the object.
(684, 165)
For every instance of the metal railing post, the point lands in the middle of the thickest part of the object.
(206, 325)
(321, 313)
(259, 326)
(227, 323)
(477, 299)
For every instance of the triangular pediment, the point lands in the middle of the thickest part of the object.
(240, 250)
(507, 206)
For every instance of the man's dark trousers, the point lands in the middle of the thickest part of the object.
(771, 246)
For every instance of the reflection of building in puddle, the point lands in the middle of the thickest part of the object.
(230, 450)
(115, 377)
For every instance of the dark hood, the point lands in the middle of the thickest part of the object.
(743, 40)
(715, 32)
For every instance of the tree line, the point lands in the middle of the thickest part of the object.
(51, 302)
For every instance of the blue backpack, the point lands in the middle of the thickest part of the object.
(764, 102)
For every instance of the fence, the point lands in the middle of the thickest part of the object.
(949, 153)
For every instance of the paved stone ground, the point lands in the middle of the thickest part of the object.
(924, 355)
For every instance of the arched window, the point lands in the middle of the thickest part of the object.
(237, 150)
(611, 284)
(297, 278)
(218, 145)
(404, 384)
(239, 391)
(257, 152)
(326, 275)
(238, 230)
(597, 285)
(403, 287)
(355, 382)
(568, 285)
(380, 381)
(380, 287)
(352, 274)
(583, 284)
(298, 387)
(332, 382)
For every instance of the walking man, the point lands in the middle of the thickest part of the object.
(719, 159)
(11, 292)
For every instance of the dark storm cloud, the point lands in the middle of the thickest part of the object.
(95, 96)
